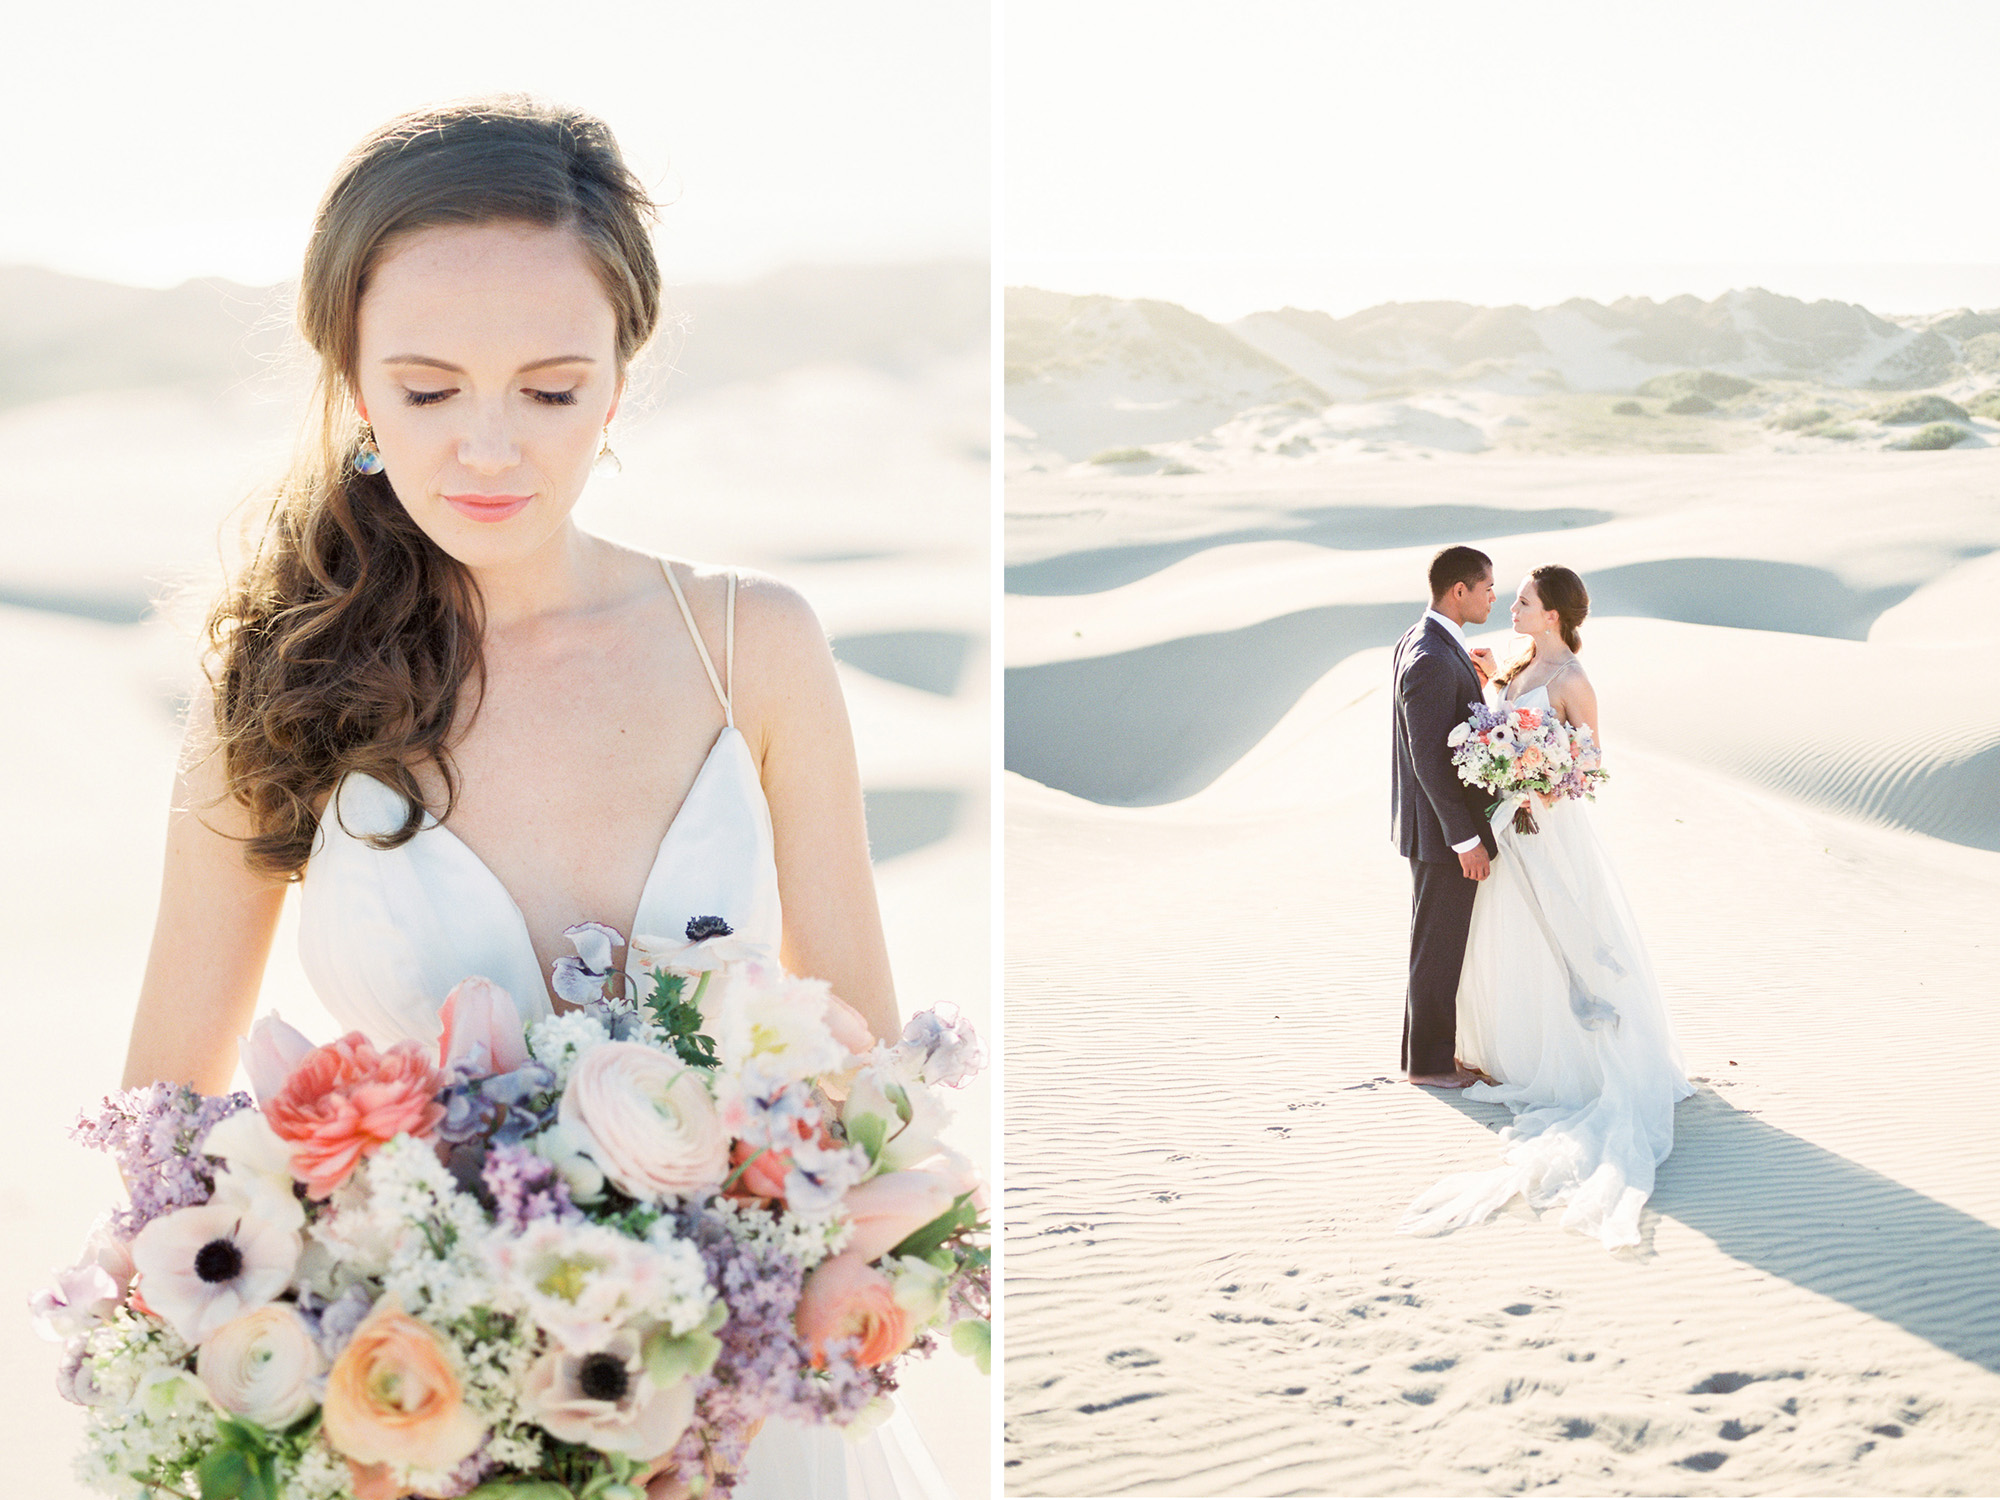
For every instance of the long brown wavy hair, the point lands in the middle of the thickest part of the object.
(347, 640)
(1561, 590)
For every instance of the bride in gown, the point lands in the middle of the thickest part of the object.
(461, 722)
(1557, 1004)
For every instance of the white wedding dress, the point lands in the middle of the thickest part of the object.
(1557, 1000)
(384, 934)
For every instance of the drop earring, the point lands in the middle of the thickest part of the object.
(368, 457)
(606, 463)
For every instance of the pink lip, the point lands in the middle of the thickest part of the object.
(487, 507)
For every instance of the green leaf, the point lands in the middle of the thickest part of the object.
(973, 1337)
(680, 1018)
(870, 1133)
(923, 1242)
(671, 1357)
(231, 1473)
(521, 1489)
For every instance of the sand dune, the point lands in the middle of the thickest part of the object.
(1207, 1148)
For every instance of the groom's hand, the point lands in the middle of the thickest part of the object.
(1474, 863)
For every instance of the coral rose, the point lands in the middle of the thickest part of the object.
(846, 1298)
(346, 1099)
(651, 1124)
(394, 1397)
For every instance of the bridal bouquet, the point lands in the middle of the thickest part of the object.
(535, 1262)
(1521, 753)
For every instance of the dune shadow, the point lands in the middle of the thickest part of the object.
(1361, 528)
(932, 660)
(1146, 727)
(1824, 1223)
(903, 819)
(1742, 592)
(108, 606)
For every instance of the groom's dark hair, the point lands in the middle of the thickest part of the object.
(1456, 565)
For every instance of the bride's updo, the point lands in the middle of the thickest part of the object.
(346, 641)
(1561, 590)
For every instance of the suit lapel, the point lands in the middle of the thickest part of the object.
(1452, 644)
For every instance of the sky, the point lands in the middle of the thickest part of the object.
(151, 143)
(1336, 155)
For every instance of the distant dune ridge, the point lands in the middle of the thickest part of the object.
(1094, 377)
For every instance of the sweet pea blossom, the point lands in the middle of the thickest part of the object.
(580, 980)
(87, 1293)
(942, 1046)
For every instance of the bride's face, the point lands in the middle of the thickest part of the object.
(488, 370)
(1527, 613)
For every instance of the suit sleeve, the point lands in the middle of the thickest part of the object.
(1426, 689)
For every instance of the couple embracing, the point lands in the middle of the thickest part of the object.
(1529, 982)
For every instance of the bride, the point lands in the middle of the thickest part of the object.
(1557, 1005)
(458, 720)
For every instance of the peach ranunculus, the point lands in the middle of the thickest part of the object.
(846, 1298)
(346, 1099)
(482, 1029)
(394, 1397)
(650, 1122)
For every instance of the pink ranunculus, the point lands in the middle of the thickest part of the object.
(651, 1124)
(346, 1100)
(886, 1210)
(846, 1298)
(270, 1053)
(482, 1030)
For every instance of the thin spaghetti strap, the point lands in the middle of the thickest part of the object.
(700, 646)
(729, 653)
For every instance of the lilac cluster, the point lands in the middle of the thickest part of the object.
(525, 1187)
(764, 1369)
(153, 1133)
(949, 1049)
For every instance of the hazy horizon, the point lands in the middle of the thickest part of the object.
(1225, 294)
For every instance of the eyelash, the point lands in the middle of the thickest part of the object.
(547, 398)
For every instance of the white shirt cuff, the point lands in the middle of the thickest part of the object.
(1471, 843)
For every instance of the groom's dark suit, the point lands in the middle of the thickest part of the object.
(1435, 688)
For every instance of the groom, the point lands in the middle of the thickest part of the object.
(1439, 822)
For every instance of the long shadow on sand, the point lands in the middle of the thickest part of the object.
(1359, 528)
(1160, 723)
(1830, 1225)
(1746, 593)
(110, 606)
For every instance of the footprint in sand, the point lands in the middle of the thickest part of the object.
(1734, 1431)
(1131, 1359)
(1704, 1461)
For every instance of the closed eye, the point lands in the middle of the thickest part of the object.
(546, 398)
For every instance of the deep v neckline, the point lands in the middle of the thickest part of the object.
(485, 872)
